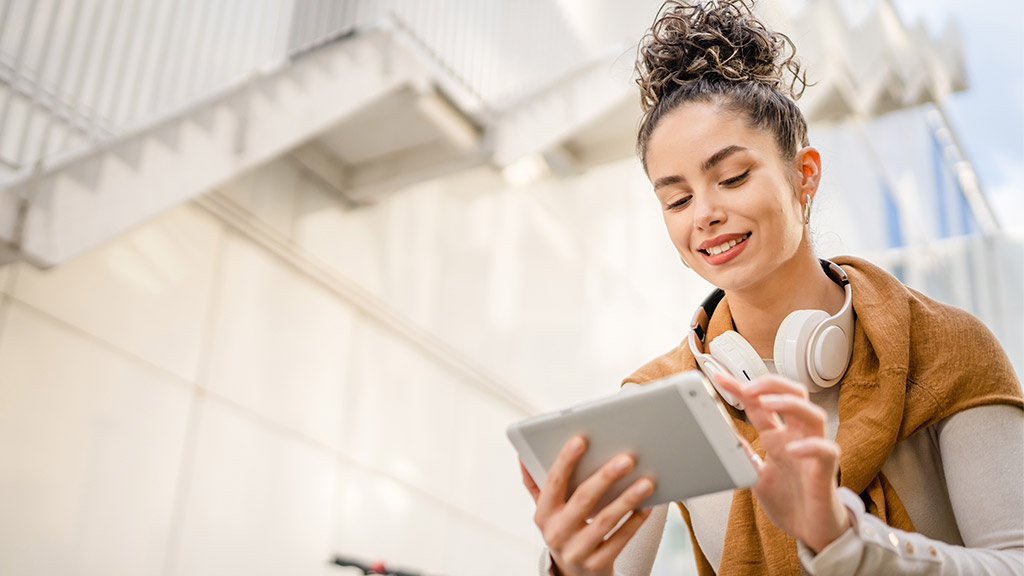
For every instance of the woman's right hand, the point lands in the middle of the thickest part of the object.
(580, 547)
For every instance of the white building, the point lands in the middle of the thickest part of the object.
(276, 275)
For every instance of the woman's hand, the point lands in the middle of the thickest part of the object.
(580, 547)
(797, 478)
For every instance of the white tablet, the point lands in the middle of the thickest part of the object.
(675, 428)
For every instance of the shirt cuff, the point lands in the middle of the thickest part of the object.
(870, 547)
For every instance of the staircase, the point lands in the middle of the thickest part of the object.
(72, 202)
(101, 128)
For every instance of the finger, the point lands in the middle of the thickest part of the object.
(764, 420)
(566, 528)
(610, 549)
(592, 536)
(529, 483)
(731, 385)
(552, 495)
(629, 500)
(799, 414)
(751, 453)
(593, 488)
(820, 448)
(761, 419)
(775, 384)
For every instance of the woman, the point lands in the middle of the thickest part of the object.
(912, 464)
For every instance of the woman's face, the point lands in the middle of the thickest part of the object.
(731, 204)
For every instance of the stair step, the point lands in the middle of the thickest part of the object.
(78, 201)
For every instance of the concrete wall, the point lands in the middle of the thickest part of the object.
(257, 381)
(186, 400)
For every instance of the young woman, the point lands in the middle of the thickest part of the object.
(893, 444)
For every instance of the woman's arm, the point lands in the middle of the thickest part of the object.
(983, 459)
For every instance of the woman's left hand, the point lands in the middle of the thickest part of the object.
(797, 478)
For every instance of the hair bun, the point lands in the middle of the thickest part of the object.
(716, 41)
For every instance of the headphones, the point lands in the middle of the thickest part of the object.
(810, 347)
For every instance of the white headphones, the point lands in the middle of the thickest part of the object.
(810, 347)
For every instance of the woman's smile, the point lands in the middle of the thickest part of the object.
(723, 248)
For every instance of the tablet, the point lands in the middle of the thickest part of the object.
(675, 427)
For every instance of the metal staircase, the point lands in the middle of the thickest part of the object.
(70, 202)
(112, 111)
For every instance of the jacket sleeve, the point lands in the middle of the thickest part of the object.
(983, 459)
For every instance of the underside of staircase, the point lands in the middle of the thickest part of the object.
(372, 110)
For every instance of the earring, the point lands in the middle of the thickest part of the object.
(807, 209)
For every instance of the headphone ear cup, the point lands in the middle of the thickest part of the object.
(829, 355)
(791, 342)
(738, 358)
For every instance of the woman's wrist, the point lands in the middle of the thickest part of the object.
(829, 533)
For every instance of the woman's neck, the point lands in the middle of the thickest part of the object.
(758, 312)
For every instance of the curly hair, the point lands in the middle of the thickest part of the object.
(719, 52)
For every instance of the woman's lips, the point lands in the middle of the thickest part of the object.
(721, 249)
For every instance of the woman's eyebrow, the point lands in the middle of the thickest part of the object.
(719, 156)
(704, 167)
(667, 181)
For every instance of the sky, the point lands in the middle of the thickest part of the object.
(988, 117)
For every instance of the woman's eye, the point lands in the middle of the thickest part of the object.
(736, 179)
(678, 203)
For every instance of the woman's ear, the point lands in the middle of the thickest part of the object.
(808, 162)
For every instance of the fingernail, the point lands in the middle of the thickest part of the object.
(771, 400)
(623, 463)
(575, 444)
(644, 487)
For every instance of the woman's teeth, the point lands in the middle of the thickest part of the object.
(715, 250)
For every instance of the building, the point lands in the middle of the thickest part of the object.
(278, 274)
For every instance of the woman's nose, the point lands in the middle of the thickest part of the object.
(707, 212)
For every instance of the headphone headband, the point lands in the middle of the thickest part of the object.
(701, 318)
(825, 342)
(835, 272)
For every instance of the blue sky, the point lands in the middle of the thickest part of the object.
(988, 117)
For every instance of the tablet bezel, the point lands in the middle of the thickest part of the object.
(688, 395)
